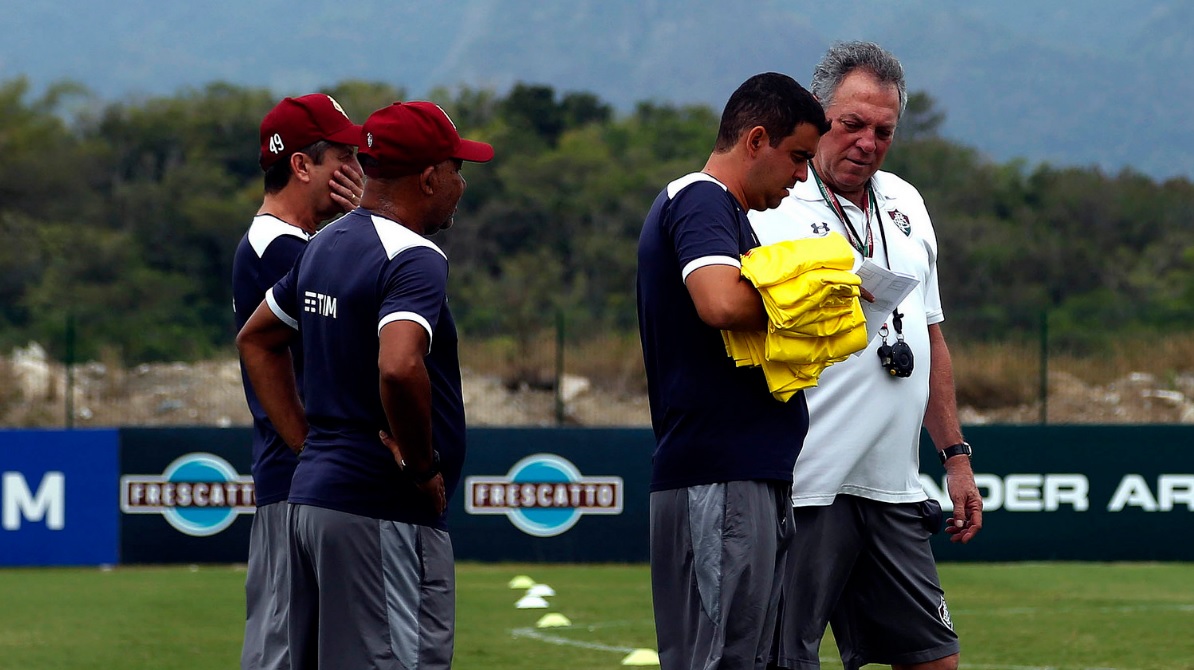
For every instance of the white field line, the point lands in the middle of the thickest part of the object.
(533, 634)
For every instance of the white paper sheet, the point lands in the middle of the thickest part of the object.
(889, 288)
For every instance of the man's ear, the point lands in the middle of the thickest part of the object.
(300, 166)
(756, 139)
(427, 179)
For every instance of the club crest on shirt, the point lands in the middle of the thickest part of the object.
(820, 229)
(901, 220)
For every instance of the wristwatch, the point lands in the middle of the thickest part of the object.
(959, 449)
(427, 475)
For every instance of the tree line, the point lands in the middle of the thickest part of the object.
(122, 217)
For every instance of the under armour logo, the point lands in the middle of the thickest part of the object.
(821, 229)
(275, 144)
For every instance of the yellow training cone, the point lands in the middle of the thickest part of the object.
(553, 620)
(642, 657)
(521, 582)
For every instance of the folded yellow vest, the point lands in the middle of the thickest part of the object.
(814, 317)
(774, 263)
(811, 297)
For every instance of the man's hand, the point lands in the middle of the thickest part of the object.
(347, 184)
(967, 518)
(391, 445)
(432, 488)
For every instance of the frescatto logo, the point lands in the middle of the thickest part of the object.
(543, 495)
(199, 494)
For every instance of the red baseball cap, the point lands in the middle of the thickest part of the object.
(406, 137)
(298, 122)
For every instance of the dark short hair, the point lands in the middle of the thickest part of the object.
(774, 101)
(278, 174)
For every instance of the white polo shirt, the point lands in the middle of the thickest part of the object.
(865, 424)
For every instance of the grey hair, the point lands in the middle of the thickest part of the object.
(845, 57)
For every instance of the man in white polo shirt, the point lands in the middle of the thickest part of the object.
(861, 559)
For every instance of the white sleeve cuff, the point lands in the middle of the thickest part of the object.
(708, 260)
(406, 316)
(278, 311)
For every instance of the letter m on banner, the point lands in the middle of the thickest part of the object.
(48, 504)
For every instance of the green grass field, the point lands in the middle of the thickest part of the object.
(1020, 616)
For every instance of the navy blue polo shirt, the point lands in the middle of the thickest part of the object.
(265, 254)
(713, 422)
(357, 275)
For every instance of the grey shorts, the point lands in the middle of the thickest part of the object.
(867, 569)
(368, 593)
(267, 591)
(717, 559)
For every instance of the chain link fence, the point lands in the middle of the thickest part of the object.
(551, 377)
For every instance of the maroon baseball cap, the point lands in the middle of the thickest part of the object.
(298, 122)
(406, 137)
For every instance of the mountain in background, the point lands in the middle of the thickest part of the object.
(1081, 83)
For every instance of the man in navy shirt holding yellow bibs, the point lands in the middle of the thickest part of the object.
(381, 439)
(721, 474)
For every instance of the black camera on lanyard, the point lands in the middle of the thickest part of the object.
(896, 358)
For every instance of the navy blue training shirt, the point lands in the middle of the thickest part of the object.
(357, 275)
(265, 254)
(713, 422)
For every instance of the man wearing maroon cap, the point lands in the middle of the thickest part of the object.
(382, 434)
(311, 174)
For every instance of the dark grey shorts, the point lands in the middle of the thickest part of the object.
(267, 591)
(717, 559)
(368, 593)
(867, 569)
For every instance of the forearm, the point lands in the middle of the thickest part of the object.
(264, 345)
(271, 374)
(941, 415)
(406, 398)
(745, 309)
(725, 300)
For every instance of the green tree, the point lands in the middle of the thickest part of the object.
(921, 118)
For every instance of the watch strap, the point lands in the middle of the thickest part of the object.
(427, 475)
(959, 449)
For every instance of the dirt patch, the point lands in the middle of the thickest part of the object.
(209, 393)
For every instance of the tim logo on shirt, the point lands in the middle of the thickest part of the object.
(318, 303)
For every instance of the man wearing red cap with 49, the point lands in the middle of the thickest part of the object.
(382, 437)
(308, 154)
